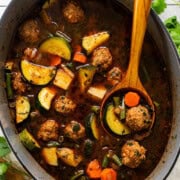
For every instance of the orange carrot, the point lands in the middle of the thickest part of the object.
(80, 57)
(131, 99)
(77, 48)
(94, 170)
(55, 60)
(108, 174)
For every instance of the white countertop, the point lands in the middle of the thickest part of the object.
(172, 9)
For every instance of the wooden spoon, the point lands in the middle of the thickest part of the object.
(131, 81)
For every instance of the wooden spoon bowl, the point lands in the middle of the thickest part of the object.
(131, 81)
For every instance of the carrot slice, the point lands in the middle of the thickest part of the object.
(55, 60)
(80, 57)
(108, 174)
(131, 99)
(94, 170)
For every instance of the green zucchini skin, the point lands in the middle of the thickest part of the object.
(45, 97)
(22, 108)
(85, 76)
(28, 140)
(57, 46)
(112, 123)
(37, 74)
(91, 126)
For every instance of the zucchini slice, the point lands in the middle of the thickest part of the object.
(37, 74)
(45, 97)
(85, 76)
(113, 123)
(89, 43)
(22, 108)
(28, 140)
(91, 126)
(56, 46)
(50, 156)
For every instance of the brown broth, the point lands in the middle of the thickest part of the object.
(103, 15)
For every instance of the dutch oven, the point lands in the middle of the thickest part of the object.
(14, 14)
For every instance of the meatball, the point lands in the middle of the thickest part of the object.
(48, 130)
(114, 75)
(29, 31)
(132, 154)
(138, 118)
(18, 83)
(101, 58)
(74, 130)
(73, 13)
(64, 105)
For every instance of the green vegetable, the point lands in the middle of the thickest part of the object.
(45, 97)
(85, 76)
(116, 101)
(9, 86)
(173, 27)
(77, 175)
(113, 123)
(117, 160)
(28, 140)
(53, 144)
(22, 108)
(95, 109)
(92, 130)
(3, 168)
(105, 161)
(37, 74)
(88, 147)
(123, 110)
(159, 6)
(4, 148)
(56, 46)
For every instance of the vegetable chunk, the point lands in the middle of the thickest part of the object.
(28, 140)
(56, 46)
(22, 108)
(89, 43)
(37, 74)
(63, 78)
(69, 157)
(50, 156)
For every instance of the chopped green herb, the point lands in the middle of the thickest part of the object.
(76, 127)
(159, 6)
(4, 148)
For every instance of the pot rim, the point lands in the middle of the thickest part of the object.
(11, 134)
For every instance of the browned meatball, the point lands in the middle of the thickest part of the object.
(74, 130)
(114, 75)
(73, 13)
(132, 154)
(48, 130)
(101, 58)
(64, 105)
(29, 31)
(138, 118)
(18, 83)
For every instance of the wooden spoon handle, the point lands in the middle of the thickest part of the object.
(140, 17)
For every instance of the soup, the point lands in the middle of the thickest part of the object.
(64, 58)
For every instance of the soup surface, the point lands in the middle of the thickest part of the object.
(65, 56)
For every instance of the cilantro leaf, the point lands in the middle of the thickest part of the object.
(159, 6)
(173, 27)
(3, 168)
(4, 148)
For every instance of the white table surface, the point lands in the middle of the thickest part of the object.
(172, 9)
